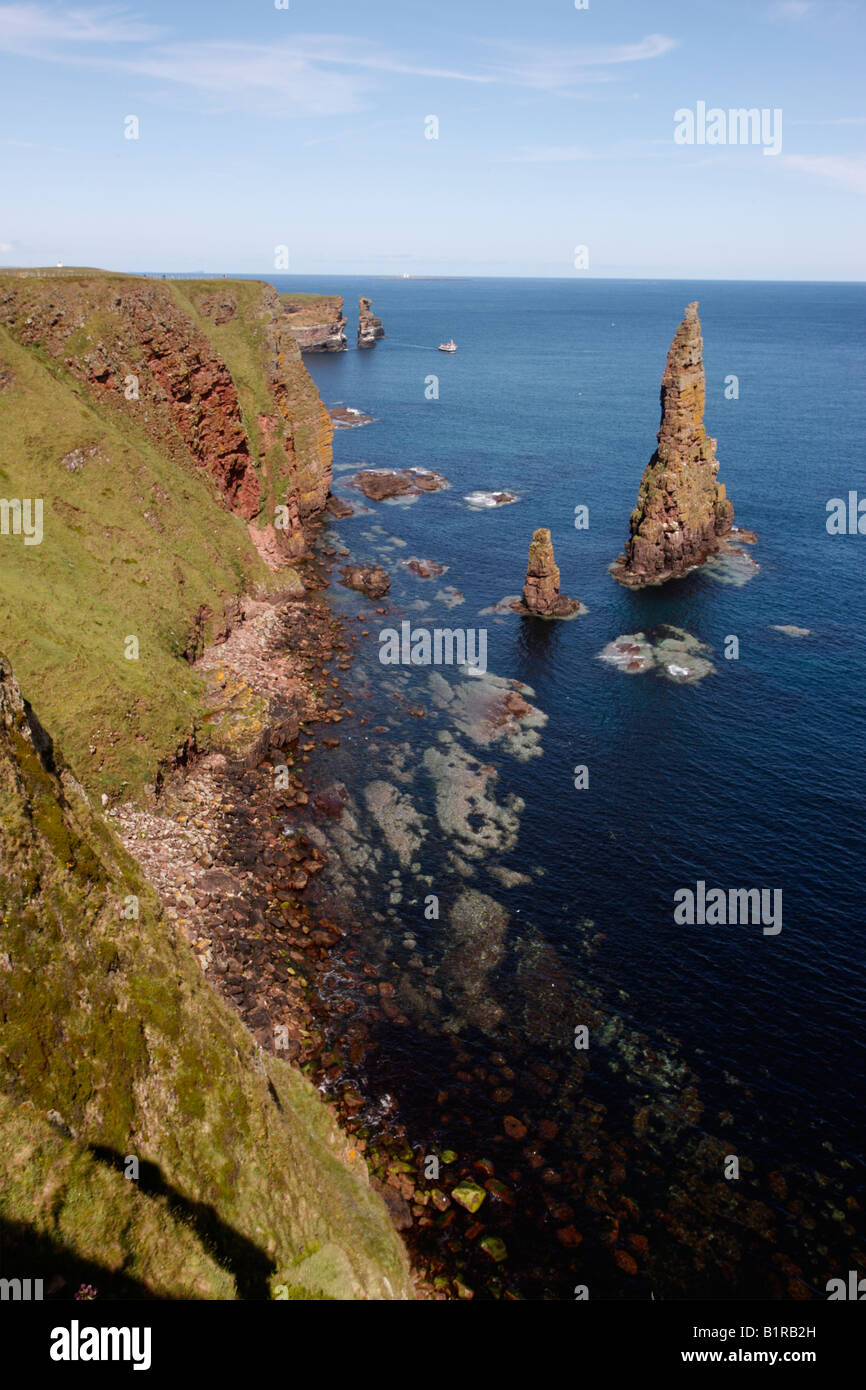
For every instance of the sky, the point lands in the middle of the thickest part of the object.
(296, 135)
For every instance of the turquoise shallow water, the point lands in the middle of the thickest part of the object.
(752, 777)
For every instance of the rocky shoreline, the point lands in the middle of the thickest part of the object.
(226, 850)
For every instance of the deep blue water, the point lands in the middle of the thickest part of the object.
(753, 777)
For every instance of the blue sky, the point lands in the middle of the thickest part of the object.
(305, 127)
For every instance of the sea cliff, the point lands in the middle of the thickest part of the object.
(315, 321)
(181, 454)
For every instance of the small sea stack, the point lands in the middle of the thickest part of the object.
(369, 327)
(683, 514)
(541, 597)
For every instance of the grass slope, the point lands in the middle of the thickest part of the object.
(113, 1047)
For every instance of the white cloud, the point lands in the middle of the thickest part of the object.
(850, 172)
(6, 247)
(526, 65)
(312, 74)
(26, 29)
(790, 9)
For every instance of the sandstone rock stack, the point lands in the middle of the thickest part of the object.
(682, 512)
(541, 595)
(369, 327)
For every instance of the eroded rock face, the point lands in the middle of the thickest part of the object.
(541, 594)
(174, 357)
(369, 327)
(316, 321)
(682, 513)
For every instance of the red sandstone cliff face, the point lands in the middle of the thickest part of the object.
(177, 359)
(144, 354)
(682, 511)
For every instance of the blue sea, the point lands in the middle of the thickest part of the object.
(706, 1043)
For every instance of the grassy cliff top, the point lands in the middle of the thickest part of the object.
(138, 541)
(309, 310)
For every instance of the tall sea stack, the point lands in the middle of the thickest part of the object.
(682, 512)
(369, 327)
(541, 596)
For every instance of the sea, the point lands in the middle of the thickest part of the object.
(654, 1108)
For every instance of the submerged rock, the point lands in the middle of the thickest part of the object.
(730, 566)
(346, 417)
(481, 501)
(475, 947)
(397, 818)
(379, 484)
(424, 569)
(466, 808)
(491, 709)
(671, 652)
(541, 597)
(450, 597)
(682, 513)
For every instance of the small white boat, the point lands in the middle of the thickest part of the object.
(448, 347)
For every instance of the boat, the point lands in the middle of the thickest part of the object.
(448, 347)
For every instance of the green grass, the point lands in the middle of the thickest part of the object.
(137, 539)
(108, 1024)
(132, 546)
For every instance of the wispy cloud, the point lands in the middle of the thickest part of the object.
(310, 74)
(30, 29)
(850, 172)
(528, 65)
(790, 9)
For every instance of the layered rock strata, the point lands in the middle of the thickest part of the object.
(316, 321)
(682, 513)
(541, 596)
(369, 327)
(173, 361)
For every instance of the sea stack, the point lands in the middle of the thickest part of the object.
(682, 512)
(541, 596)
(369, 327)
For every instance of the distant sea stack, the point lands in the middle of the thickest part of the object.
(682, 513)
(369, 327)
(541, 597)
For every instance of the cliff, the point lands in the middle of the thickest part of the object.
(179, 447)
(682, 512)
(315, 321)
(369, 327)
(148, 1146)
